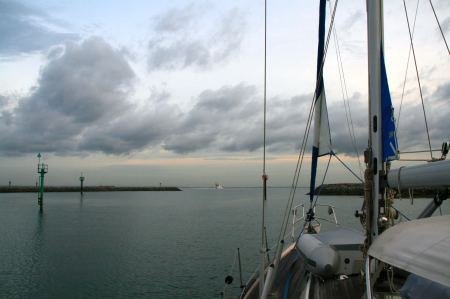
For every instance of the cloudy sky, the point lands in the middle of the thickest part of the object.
(142, 92)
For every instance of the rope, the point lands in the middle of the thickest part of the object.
(419, 151)
(315, 200)
(264, 175)
(401, 213)
(296, 177)
(254, 272)
(265, 86)
(407, 67)
(414, 160)
(418, 79)
(390, 275)
(323, 181)
(232, 265)
(267, 245)
(305, 137)
(399, 183)
(348, 168)
(345, 97)
(439, 25)
(222, 294)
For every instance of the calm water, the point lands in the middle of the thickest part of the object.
(138, 244)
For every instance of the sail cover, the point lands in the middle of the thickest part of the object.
(388, 122)
(321, 138)
(419, 246)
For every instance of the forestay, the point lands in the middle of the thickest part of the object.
(321, 138)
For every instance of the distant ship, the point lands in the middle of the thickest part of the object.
(218, 186)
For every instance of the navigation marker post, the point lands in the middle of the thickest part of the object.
(42, 170)
(81, 183)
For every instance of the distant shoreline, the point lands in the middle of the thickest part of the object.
(349, 189)
(31, 189)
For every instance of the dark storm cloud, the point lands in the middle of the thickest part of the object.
(411, 131)
(82, 105)
(139, 128)
(89, 83)
(442, 93)
(339, 120)
(25, 29)
(215, 119)
(181, 40)
(230, 119)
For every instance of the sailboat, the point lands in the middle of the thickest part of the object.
(410, 259)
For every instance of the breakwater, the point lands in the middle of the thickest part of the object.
(358, 190)
(25, 189)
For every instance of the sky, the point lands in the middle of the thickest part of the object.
(147, 92)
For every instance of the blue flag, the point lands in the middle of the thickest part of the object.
(390, 146)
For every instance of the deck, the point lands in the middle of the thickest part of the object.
(291, 279)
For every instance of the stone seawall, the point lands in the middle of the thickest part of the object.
(24, 189)
(357, 190)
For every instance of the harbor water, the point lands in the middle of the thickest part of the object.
(142, 244)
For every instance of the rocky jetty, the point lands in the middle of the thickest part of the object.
(24, 189)
(358, 190)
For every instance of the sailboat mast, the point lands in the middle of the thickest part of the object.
(264, 248)
(375, 154)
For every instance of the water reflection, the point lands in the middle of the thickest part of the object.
(81, 200)
(130, 244)
(38, 236)
(35, 274)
